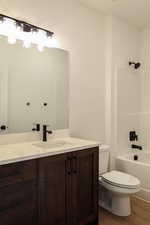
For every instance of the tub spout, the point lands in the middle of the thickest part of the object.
(136, 147)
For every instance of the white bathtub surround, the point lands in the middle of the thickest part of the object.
(123, 84)
(11, 153)
(140, 169)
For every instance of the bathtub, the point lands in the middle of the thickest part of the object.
(139, 168)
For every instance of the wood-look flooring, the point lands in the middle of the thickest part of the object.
(140, 215)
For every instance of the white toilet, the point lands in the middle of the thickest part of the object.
(115, 187)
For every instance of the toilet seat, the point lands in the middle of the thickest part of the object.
(122, 180)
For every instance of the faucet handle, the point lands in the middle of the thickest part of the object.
(48, 131)
(37, 127)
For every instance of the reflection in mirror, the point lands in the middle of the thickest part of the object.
(33, 87)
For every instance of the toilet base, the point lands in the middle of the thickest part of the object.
(117, 204)
(121, 205)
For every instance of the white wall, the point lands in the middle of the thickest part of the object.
(81, 31)
(145, 89)
(125, 85)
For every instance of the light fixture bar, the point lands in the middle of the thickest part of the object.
(28, 33)
(26, 25)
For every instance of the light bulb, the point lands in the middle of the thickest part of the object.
(10, 30)
(26, 37)
(1, 27)
(52, 42)
(40, 39)
(18, 33)
(26, 43)
(11, 40)
(40, 48)
(34, 37)
(1, 22)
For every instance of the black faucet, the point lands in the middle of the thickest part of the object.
(3, 127)
(37, 128)
(136, 147)
(133, 136)
(45, 132)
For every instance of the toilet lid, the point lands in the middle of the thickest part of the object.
(121, 179)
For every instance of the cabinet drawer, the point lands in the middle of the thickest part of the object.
(17, 172)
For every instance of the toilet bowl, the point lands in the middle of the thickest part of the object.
(120, 187)
(115, 188)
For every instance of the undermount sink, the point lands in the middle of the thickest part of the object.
(52, 144)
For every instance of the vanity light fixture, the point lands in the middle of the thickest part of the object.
(29, 34)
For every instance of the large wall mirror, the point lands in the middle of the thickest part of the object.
(33, 87)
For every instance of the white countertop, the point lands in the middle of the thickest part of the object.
(11, 153)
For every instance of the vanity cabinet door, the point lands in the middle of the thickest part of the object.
(18, 194)
(54, 190)
(85, 187)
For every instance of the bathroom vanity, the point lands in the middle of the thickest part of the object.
(49, 186)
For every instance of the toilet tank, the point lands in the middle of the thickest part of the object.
(104, 152)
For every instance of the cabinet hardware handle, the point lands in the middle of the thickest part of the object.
(74, 164)
(74, 157)
(69, 165)
(75, 171)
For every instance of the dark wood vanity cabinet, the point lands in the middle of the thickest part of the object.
(84, 187)
(18, 194)
(68, 188)
(55, 190)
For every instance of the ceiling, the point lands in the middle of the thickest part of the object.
(136, 12)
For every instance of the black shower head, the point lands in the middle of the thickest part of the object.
(136, 65)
